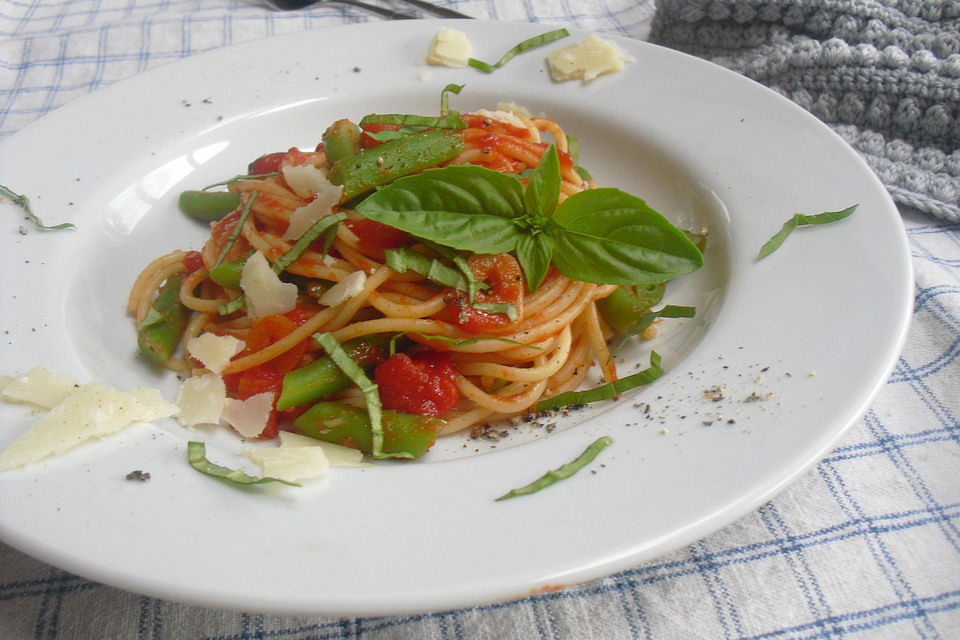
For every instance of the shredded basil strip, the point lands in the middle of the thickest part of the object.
(153, 317)
(392, 134)
(573, 148)
(801, 220)
(454, 341)
(256, 176)
(236, 304)
(308, 237)
(445, 96)
(197, 457)
(607, 391)
(473, 283)
(583, 172)
(527, 44)
(562, 472)
(405, 258)
(668, 311)
(370, 395)
(242, 220)
(449, 121)
(24, 203)
(498, 307)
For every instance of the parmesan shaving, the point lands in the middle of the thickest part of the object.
(306, 216)
(501, 116)
(266, 294)
(291, 464)
(214, 352)
(337, 454)
(347, 288)
(449, 48)
(249, 417)
(587, 59)
(94, 410)
(305, 180)
(201, 400)
(39, 387)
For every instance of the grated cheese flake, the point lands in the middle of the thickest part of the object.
(306, 216)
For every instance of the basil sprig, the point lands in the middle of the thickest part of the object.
(603, 236)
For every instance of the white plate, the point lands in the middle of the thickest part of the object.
(706, 147)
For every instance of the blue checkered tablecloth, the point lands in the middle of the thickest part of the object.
(865, 545)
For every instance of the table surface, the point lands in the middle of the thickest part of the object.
(866, 544)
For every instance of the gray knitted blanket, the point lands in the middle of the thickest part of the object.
(884, 74)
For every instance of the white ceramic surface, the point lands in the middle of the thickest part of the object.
(812, 330)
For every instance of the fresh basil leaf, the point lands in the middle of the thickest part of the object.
(467, 208)
(801, 220)
(606, 236)
(583, 172)
(534, 253)
(543, 190)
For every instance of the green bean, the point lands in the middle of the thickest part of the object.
(227, 274)
(404, 434)
(383, 164)
(624, 309)
(341, 140)
(323, 377)
(563, 472)
(160, 330)
(209, 206)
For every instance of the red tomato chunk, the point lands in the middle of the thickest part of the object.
(424, 384)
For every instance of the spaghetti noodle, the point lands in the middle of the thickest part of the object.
(501, 346)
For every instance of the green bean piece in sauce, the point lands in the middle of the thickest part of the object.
(562, 472)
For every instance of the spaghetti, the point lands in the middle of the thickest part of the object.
(488, 350)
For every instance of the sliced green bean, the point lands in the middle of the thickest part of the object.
(322, 377)
(227, 274)
(623, 309)
(404, 435)
(208, 206)
(341, 140)
(562, 472)
(160, 330)
(384, 164)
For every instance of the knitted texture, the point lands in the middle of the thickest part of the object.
(884, 74)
